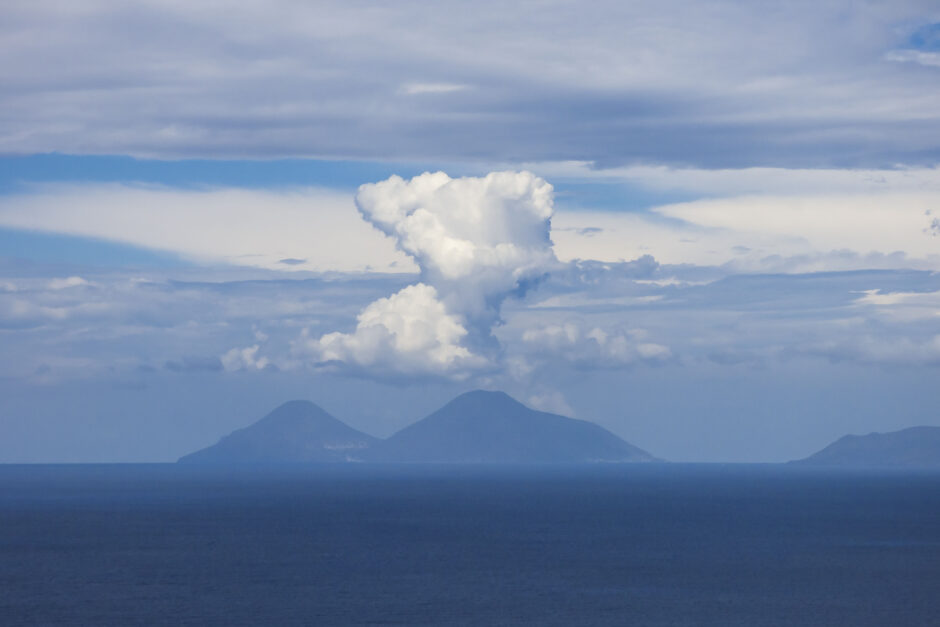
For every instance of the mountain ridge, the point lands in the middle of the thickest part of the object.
(475, 427)
(914, 447)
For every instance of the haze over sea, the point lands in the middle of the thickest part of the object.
(635, 544)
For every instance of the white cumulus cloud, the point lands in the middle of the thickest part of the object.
(62, 284)
(476, 241)
(244, 359)
(409, 332)
(591, 347)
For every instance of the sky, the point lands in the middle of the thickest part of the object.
(712, 228)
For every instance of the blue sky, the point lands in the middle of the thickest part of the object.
(736, 260)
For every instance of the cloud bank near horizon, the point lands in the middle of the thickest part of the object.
(585, 317)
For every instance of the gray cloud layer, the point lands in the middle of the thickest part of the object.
(589, 316)
(711, 84)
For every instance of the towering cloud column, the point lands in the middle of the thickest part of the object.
(476, 240)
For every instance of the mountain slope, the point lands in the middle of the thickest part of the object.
(917, 447)
(295, 432)
(492, 427)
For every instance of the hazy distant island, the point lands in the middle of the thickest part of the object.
(476, 427)
(295, 432)
(916, 447)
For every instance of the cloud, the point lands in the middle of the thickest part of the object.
(243, 359)
(551, 401)
(590, 348)
(766, 233)
(748, 181)
(675, 81)
(409, 333)
(754, 219)
(476, 240)
(903, 307)
(882, 223)
(586, 231)
(930, 59)
(62, 284)
(788, 220)
(875, 349)
(432, 88)
(21, 313)
(310, 229)
(180, 317)
(173, 320)
(735, 319)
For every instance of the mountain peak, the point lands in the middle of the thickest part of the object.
(479, 392)
(298, 410)
(488, 426)
(487, 397)
(296, 431)
(295, 405)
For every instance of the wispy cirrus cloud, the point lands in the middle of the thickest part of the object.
(920, 57)
(413, 89)
(297, 228)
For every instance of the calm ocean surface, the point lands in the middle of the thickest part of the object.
(373, 545)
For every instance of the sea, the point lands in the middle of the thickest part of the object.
(627, 545)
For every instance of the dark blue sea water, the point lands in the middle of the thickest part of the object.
(371, 545)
